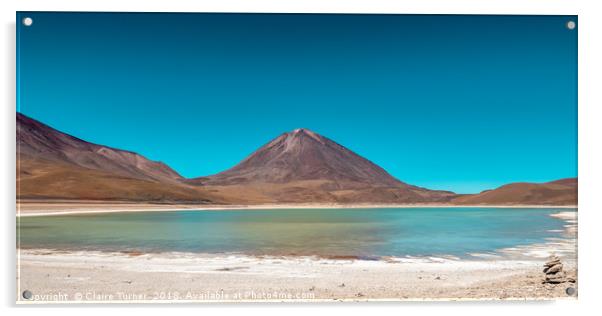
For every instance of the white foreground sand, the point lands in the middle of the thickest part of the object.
(514, 273)
(94, 277)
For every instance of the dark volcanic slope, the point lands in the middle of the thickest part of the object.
(303, 166)
(39, 141)
(559, 192)
(54, 165)
(305, 155)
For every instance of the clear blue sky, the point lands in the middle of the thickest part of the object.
(462, 103)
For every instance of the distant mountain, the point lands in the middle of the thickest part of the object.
(297, 167)
(559, 192)
(54, 165)
(303, 166)
(40, 141)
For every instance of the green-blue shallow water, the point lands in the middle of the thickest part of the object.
(362, 233)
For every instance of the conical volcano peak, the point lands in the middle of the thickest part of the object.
(303, 155)
(301, 165)
(301, 132)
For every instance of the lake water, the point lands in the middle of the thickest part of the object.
(362, 233)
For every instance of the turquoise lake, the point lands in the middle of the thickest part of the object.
(364, 233)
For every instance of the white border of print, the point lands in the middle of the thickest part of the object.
(590, 157)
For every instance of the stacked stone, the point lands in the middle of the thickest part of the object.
(553, 271)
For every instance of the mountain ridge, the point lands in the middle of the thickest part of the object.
(41, 141)
(55, 165)
(557, 192)
(299, 166)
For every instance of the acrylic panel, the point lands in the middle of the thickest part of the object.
(178, 157)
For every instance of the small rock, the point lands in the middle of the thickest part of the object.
(553, 269)
(342, 285)
(553, 258)
(559, 277)
(438, 278)
(551, 263)
(555, 281)
(572, 280)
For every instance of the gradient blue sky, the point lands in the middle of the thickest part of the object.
(462, 103)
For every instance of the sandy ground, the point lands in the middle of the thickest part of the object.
(94, 277)
(38, 208)
(513, 273)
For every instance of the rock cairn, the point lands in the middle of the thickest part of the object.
(553, 271)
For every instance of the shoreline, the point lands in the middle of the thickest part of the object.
(65, 208)
(119, 277)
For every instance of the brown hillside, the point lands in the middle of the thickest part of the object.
(560, 192)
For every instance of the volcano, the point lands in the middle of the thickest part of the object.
(303, 166)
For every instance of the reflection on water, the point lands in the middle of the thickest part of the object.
(323, 232)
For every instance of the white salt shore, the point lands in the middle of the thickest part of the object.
(47, 209)
(89, 276)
